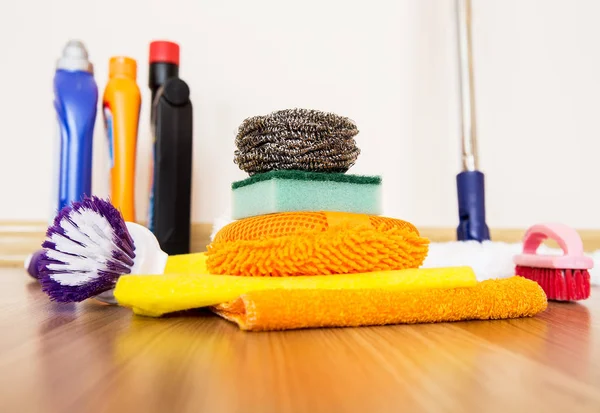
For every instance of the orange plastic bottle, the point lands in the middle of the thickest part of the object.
(121, 108)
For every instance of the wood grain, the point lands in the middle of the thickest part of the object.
(95, 358)
(19, 239)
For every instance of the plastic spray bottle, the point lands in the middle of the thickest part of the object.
(121, 109)
(75, 102)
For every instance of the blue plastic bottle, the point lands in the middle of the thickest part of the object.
(75, 101)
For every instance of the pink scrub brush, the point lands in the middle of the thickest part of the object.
(562, 277)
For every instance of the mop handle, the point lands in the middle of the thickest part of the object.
(467, 94)
(470, 182)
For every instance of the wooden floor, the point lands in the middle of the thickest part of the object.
(94, 358)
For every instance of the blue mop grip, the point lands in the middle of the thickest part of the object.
(471, 207)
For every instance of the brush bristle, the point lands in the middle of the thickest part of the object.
(559, 284)
(88, 248)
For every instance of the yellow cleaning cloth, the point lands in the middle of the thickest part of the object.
(155, 295)
(291, 309)
(194, 263)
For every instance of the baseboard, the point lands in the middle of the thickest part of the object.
(589, 237)
(19, 239)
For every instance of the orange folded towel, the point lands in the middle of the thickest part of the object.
(292, 309)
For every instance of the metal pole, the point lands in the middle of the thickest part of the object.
(469, 126)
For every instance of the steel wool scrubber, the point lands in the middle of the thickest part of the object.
(296, 139)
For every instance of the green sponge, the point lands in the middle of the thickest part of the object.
(291, 190)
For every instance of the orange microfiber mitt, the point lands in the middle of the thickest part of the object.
(291, 309)
(315, 243)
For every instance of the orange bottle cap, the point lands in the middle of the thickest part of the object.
(122, 66)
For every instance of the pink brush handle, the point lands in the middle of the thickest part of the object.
(567, 238)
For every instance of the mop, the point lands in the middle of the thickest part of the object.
(489, 259)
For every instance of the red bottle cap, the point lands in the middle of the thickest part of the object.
(162, 51)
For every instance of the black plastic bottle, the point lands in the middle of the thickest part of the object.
(170, 203)
(172, 125)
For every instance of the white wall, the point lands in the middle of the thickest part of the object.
(389, 65)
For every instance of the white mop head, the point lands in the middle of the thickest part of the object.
(489, 259)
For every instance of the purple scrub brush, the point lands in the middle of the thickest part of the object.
(89, 246)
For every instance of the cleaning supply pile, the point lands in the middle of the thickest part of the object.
(291, 236)
(309, 248)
